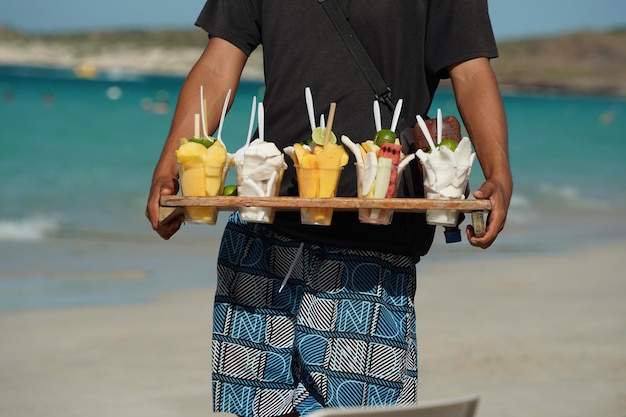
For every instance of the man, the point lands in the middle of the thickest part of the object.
(342, 332)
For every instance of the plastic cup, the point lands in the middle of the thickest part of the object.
(452, 191)
(201, 180)
(315, 182)
(375, 215)
(446, 218)
(265, 184)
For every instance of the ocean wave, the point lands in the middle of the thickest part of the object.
(521, 210)
(571, 196)
(32, 228)
(546, 201)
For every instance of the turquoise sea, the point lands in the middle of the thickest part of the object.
(76, 158)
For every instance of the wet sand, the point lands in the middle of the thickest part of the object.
(534, 335)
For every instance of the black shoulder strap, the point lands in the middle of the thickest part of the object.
(382, 91)
(412, 182)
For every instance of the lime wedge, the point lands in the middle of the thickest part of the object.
(449, 143)
(318, 136)
(229, 190)
(384, 135)
(206, 142)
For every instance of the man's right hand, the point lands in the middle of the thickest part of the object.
(162, 186)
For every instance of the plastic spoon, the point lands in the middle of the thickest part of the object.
(439, 125)
(309, 107)
(203, 113)
(396, 115)
(293, 264)
(222, 117)
(424, 128)
(251, 125)
(377, 121)
(261, 115)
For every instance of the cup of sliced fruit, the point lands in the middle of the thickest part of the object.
(317, 182)
(379, 167)
(447, 165)
(260, 166)
(202, 164)
(318, 169)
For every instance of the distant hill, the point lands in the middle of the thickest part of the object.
(582, 62)
(586, 62)
(141, 38)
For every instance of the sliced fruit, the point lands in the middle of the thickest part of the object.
(328, 181)
(216, 154)
(383, 173)
(393, 177)
(356, 150)
(299, 152)
(363, 152)
(192, 181)
(213, 185)
(344, 159)
(391, 151)
(308, 160)
(370, 146)
(370, 165)
(308, 181)
(191, 153)
(331, 156)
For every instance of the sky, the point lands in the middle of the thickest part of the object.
(510, 18)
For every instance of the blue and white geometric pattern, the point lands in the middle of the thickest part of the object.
(341, 333)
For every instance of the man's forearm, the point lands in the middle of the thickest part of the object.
(480, 104)
(217, 71)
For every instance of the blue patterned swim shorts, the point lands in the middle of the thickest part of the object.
(341, 333)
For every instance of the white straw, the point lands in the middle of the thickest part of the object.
(429, 138)
(439, 125)
(322, 122)
(396, 115)
(251, 125)
(377, 121)
(261, 116)
(196, 125)
(222, 117)
(309, 107)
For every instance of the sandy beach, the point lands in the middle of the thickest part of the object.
(534, 335)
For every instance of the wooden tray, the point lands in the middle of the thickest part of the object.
(172, 205)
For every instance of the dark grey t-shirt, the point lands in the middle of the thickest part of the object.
(411, 42)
